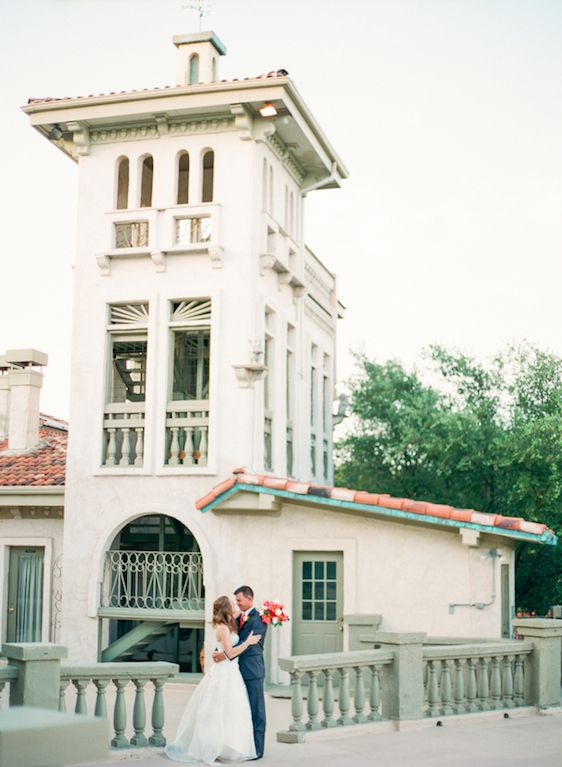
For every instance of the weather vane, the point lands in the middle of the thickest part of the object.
(203, 8)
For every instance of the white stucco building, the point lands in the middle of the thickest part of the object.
(204, 339)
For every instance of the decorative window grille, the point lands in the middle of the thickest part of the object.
(289, 387)
(132, 234)
(126, 391)
(313, 408)
(187, 416)
(183, 179)
(192, 230)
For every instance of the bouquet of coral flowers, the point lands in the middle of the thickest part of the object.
(273, 611)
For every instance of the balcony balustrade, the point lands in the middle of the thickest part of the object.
(123, 430)
(187, 433)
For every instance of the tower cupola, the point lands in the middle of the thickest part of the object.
(199, 57)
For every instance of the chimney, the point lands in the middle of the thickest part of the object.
(24, 382)
(199, 57)
(4, 396)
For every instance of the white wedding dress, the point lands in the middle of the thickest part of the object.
(217, 721)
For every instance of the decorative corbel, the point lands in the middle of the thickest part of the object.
(242, 121)
(162, 124)
(251, 372)
(81, 137)
(215, 254)
(104, 264)
(159, 260)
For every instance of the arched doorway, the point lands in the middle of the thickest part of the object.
(153, 596)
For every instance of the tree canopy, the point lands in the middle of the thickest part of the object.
(476, 435)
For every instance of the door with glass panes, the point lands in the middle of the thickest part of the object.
(317, 602)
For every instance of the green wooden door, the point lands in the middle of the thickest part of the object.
(317, 602)
(505, 602)
(25, 594)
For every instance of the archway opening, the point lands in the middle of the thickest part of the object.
(153, 594)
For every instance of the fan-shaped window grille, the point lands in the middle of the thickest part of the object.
(128, 314)
(196, 310)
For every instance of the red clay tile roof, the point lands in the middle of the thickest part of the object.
(48, 99)
(42, 466)
(380, 500)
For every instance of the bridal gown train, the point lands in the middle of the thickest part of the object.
(217, 721)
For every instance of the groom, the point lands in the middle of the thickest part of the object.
(251, 662)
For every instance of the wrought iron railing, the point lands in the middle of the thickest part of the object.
(157, 580)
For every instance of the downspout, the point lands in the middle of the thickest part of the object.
(494, 554)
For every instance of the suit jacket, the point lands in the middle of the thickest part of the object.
(251, 661)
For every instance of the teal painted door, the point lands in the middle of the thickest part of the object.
(317, 602)
(25, 594)
(505, 602)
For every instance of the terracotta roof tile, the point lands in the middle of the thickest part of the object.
(48, 99)
(42, 466)
(360, 498)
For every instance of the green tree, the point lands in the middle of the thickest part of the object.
(474, 435)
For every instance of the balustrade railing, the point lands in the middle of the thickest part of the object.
(356, 676)
(156, 580)
(462, 679)
(187, 433)
(8, 674)
(123, 430)
(116, 677)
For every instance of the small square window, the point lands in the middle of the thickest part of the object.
(133, 234)
(193, 230)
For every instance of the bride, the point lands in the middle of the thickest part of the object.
(217, 721)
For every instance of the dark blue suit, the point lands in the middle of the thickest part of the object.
(252, 668)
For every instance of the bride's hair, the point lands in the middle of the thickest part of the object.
(222, 613)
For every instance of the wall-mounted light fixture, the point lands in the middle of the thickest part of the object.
(268, 110)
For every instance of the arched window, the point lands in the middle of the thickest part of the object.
(264, 185)
(183, 179)
(208, 172)
(270, 190)
(194, 69)
(123, 183)
(146, 182)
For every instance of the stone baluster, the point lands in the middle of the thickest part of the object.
(507, 681)
(432, 690)
(139, 456)
(496, 684)
(296, 702)
(519, 682)
(312, 705)
(471, 706)
(344, 717)
(483, 686)
(80, 685)
(125, 444)
(359, 699)
(374, 694)
(446, 696)
(329, 720)
(111, 448)
(173, 460)
(188, 448)
(119, 715)
(157, 738)
(459, 704)
(139, 714)
(203, 446)
(62, 694)
(101, 703)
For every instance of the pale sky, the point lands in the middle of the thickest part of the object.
(448, 114)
